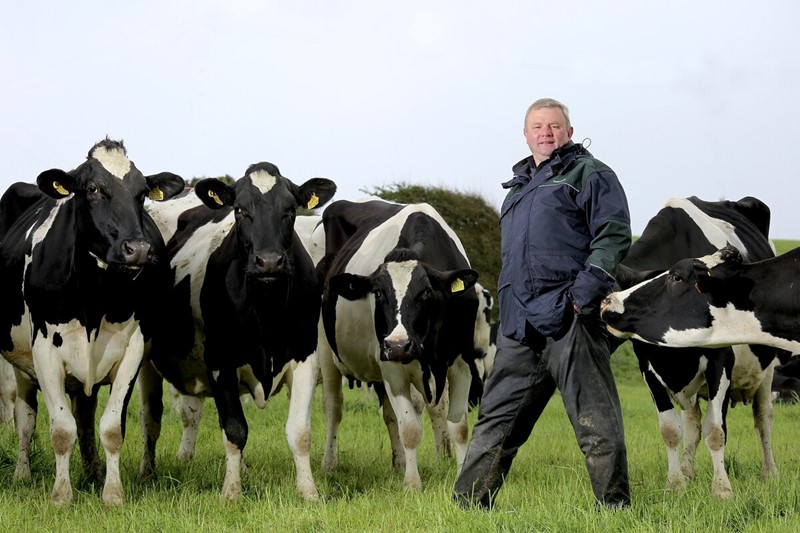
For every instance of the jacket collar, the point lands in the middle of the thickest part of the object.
(562, 157)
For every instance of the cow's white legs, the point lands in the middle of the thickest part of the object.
(459, 379)
(111, 421)
(439, 424)
(63, 429)
(408, 424)
(8, 392)
(232, 486)
(715, 441)
(332, 399)
(25, 409)
(762, 416)
(151, 410)
(191, 412)
(298, 424)
(390, 420)
(669, 423)
(692, 424)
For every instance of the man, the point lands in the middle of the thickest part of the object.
(565, 227)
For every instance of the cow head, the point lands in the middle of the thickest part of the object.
(108, 194)
(265, 206)
(409, 300)
(676, 307)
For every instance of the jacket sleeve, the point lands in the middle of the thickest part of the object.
(606, 208)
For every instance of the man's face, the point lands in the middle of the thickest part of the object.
(545, 130)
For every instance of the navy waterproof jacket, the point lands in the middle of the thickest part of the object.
(565, 228)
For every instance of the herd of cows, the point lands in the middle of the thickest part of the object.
(111, 277)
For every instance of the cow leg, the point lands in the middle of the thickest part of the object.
(438, 415)
(25, 409)
(150, 412)
(191, 412)
(84, 409)
(298, 424)
(718, 381)
(459, 379)
(63, 429)
(408, 424)
(332, 399)
(8, 392)
(112, 429)
(762, 416)
(234, 429)
(669, 424)
(390, 421)
(692, 422)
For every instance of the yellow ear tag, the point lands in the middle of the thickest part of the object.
(60, 189)
(215, 197)
(457, 285)
(313, 201)
(156, 195)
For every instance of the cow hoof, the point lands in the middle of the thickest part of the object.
(414, 485)
(309, 495)
(61, 496)
(721, 490)
(231, 492)
(688, 471)
(147, 474)
(22, 474)
(113, 497)
(677, 482)
(184, 455)
(329, 464)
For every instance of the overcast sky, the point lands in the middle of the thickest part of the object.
(680, 98)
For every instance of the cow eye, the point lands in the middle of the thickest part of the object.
(426, 294)
(378, 295)
(92, 189)
(674, 276)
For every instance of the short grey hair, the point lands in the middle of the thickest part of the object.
(546, 102)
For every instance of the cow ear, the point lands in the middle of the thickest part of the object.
(453, 282)
(316, 192)
(214, 193)
(56, 183)
(350, 286)
(705, 281)
(164, 186)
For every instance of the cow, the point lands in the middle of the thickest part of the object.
(244, 309)
(398, 310)
(79, 262)
(715, 300)
(484, 344)
(685, 227)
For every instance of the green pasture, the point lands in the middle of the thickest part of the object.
(548, 489)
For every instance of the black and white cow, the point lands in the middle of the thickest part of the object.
(716, 300)
(398, 310)
(244, 310)
(685, 228)
(79, 263)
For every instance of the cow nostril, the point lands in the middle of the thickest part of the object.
(135, 252)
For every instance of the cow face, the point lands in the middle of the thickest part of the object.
(675, 307)
(409, 300)
(265, 205)
(108, 193)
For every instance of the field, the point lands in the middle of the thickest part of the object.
(547, 490)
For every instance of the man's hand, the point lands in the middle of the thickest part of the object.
(533, 339)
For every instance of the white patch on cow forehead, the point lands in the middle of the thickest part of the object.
(400, 274)
(729, 326)
(718, 232)
(616, 300)
(263, 180)
(114, 161)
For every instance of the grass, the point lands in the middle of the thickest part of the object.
(548, 488)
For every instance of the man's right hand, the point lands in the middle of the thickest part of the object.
(533, 339)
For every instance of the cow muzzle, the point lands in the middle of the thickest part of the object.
(135, 253)
(268, 266)
(402, 351)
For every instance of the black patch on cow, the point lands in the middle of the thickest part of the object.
(57, 340)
